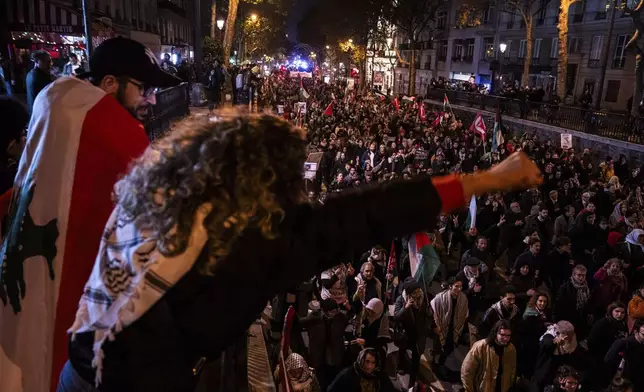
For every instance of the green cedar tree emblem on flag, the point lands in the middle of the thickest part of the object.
(23, 239)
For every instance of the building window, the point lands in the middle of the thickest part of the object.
(536, 48)
(508, 48)
(458, 50)
(576, 12)
(619, 58)
(589, 85)
(541, 14)
(612, 91)
(574, 44)
(441, 19)
(596, 47)
(442, 51)
(522, 49)
(488, 47)
(487, 14)
(470, 48)
(554, 49)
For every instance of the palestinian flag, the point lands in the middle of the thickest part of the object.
(423, 259)
(445, 102)
(80, 141)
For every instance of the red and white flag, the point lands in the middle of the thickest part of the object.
(478, 126)
(80, 141)
(421, 111)
(396, 104)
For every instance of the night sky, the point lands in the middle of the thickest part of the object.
(301, 6)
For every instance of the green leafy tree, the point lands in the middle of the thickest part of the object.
(212, 51)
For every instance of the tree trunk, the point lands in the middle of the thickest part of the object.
(562, 64)
(412, 70)
(230, 28)
(527, 61)
(213, 19)
(639, 81)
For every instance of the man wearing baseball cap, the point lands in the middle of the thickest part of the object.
(83, 134)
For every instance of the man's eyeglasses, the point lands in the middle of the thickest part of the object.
(145, 91)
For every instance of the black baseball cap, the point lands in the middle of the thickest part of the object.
(125, 57)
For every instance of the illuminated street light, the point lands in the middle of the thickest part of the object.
(220, 24)
(503, 46)
(328, 47)
(350, 40)
(253, 17)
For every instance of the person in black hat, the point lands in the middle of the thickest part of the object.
(129, 71)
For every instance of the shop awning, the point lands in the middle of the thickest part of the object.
(43, 16)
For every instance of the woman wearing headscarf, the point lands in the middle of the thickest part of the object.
(536, 320)
(558, 346)
(611, 286)
(618, 214)
(632, 252)
(450, 316)
(364, 375)
(373, 328)
(301, 377)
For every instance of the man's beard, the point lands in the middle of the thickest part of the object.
(140, 112)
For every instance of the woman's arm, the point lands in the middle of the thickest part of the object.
(216, 308)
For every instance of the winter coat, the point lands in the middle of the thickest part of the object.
(481, 365)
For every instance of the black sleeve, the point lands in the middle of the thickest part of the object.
(216, 308)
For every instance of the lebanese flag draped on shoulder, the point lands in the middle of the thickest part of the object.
(80, 141)
(478, 126)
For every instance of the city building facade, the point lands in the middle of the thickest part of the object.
(57, 27)
(464, 47)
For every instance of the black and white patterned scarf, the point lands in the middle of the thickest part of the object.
(129, 276)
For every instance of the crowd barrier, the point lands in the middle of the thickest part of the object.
(172, 103)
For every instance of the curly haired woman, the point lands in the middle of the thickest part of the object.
(210, 223)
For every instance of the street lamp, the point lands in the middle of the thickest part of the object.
(253, 17)
(350, 40)
(502, 47)
(220, 24)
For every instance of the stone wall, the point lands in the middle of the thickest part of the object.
(599, 145)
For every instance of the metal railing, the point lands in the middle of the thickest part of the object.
(172, 103)
(603, 124)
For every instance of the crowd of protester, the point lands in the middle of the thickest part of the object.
(546, 289)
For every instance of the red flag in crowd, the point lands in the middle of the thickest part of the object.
(478, 126)
(392, 259)
(329, 110)
(397, 104)
(421, 112)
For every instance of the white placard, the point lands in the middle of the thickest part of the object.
(280, 109)
(299, 105)
(566, 141)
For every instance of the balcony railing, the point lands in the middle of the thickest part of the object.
(593, 63)
(610, 125)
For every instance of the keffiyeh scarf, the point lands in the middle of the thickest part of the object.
(129, 276)
(566, 347)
